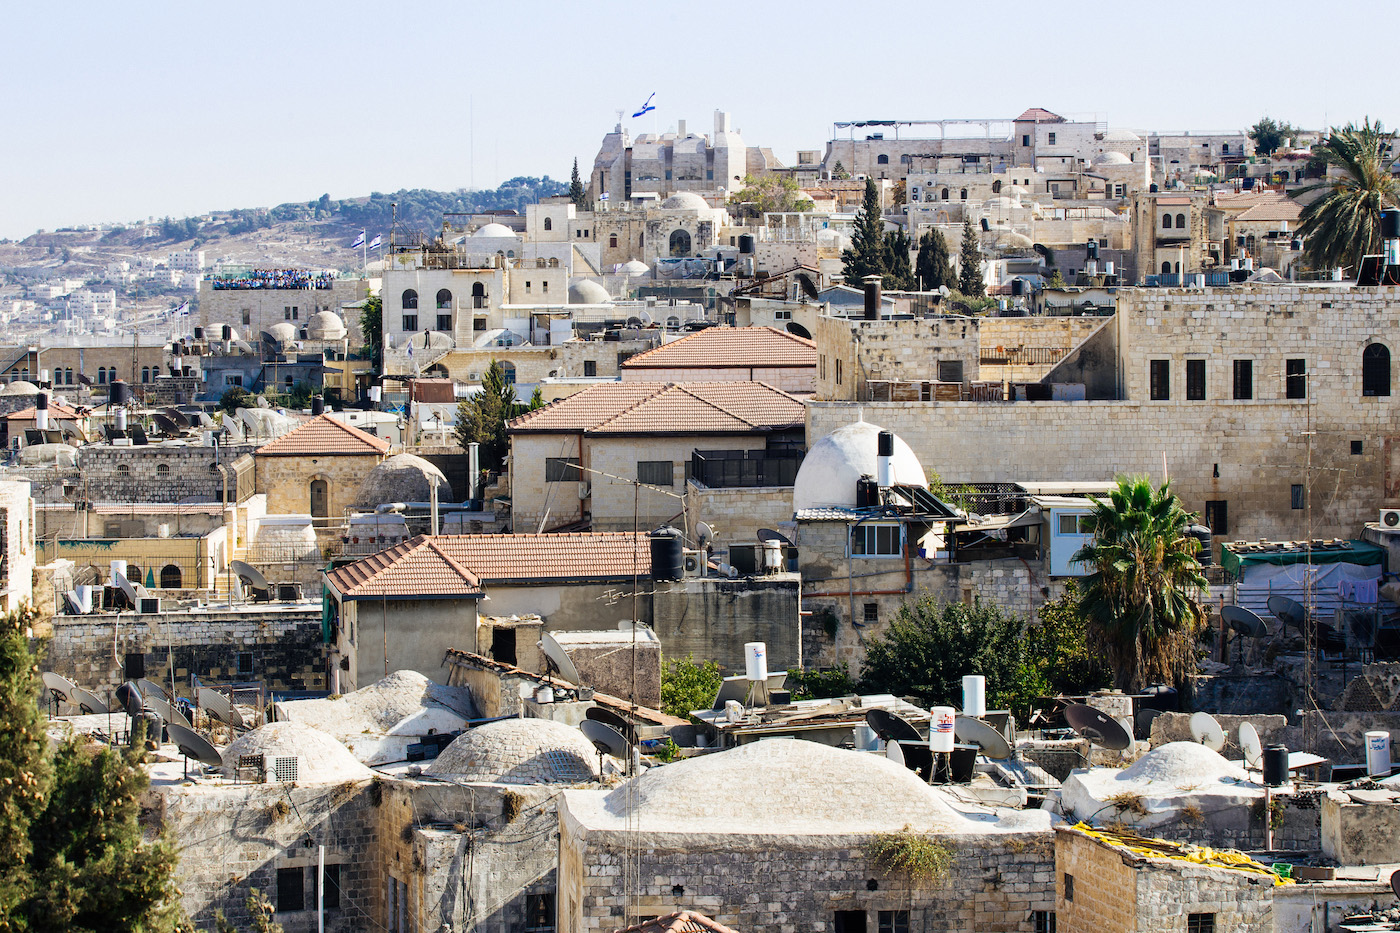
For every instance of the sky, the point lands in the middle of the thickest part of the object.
(117, 112)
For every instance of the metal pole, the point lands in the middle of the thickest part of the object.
(320, 889)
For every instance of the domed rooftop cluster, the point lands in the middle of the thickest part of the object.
(518, 751)
(401, 478)
(828, 475)
(321, 759)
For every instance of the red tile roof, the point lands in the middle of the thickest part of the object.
(1285, 209)
(456, 566)
(728, 347)
(684, 921)
(55, 411)
(324, 436)
(620, 408)
(1040, 115)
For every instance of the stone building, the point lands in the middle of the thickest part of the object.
(17, 551)
(730, 354)
(661, 165)
(853, 353)
(253, 300)
(316, 469)
(1175, 234)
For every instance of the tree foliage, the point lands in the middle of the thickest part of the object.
(688, 685)
(866, 255)
(838, 171)
(372, 330)
(24, 765)
(899, 275)
(819, 683)
(1058, 649)
(482, 418)
(766, 195)
(576, 192)
(1344, 224)
(933, 268)
(1269, 135)
(970, 281)
(1139, 600)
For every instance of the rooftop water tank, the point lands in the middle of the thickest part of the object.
(667, 554)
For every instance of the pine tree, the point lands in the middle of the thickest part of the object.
(970, 265)
(482, 418)
(24, 768)
(899, 276)
(867, 253)
(576, 193)
(932, 267)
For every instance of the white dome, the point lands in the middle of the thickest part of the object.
(1123, 136)
(588, 292)
(325, 325)
(1016, 191)
(434, 339)
(1113, 158)
(19, 387)
(685, 201)
(827, 477)
(1001, 204)
(635, 267)
(1012, 239)
(494, 230)
(518, 751)
(321, 759)
(283, 332)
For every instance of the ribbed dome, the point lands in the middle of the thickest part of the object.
(325, 325)
(685, 201)
(401, 478)
(829, 472)
(588, 292)
(518, 751)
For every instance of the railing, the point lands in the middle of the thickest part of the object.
(725, 469)
(1023, 356)
(280, 279)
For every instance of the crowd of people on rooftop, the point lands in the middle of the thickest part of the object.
(276, 278)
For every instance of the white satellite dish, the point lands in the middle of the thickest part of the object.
(646, 319)
(558, 660)
(1206, 731)
(704, 534)
(894, 753)
(1253, 748)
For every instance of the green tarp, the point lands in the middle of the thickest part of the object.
(1356, 552)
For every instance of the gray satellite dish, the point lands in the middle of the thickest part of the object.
(149, 688)
(59, 687)
(557, 659)
(1253, 748)
(167, 712)
(1098, 727)
(1205, 730)
(167, 426)
(250, 576)
(177, 417)
(193, 745)
(704, 534)
(976, 732)
(768, 534)
(218, 707)
(89, 703)
(1246, 623)
(891, 727)
(70, 599)
(608, 718)
(125, 586)
(235, 430)
(606, 739)
(206, 421)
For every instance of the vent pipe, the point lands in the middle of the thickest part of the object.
(41, 411)
(872, 297)
(884, 459)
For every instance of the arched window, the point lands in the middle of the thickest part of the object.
(162, 469)
(1166, 268)
(145, 374)
(1181, 221)
(444, 298)
(963, 195)
(1225, 149)
(68, 377)
(639, 240)
(508, 372)
(123, 469)
(410, 299)
(680, 243)
(102, 375)
(1166, 221)
(944, 195)
(612, 241)
(1178, 269)
(882, 159)
(133, 573)
(996, 187)
(549, 223)
(478, 295)
(320, 498)
(170, 577)
(1375, 371)
(553, 262)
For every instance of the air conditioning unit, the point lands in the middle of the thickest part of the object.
(149, 605)
(279, 770)
(695, 561)
(1390, 519)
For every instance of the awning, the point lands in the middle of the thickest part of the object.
(1361, 553)
(1025, 519)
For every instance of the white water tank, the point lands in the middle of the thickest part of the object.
(1378, 753)
(756, 661)
(974, 695)
(940, 730)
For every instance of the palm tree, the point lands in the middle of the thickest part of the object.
(1139, 600)
(1345, 223)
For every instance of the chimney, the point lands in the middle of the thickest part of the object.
(884, 473)
(872, 297)
(41, 411)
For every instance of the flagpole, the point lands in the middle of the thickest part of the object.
(364, 260)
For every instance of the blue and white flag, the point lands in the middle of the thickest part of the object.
(603, 196)
(184, 308)
(374, 243)
(359, 241)
(647, 107)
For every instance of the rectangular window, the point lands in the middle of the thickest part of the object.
(527, 286)
(539, 913)
(1074, 523)
(838, 372)
(1052, 139)
(544, 287)
(444, 323)
(849, 921)
(821, 366)
(1297, 496)
(233, 380)
(479, 323)
(950, 370)
(893, 921)
(410, 322)
(1218, 516)
(1295, 380)
(332, 898)
(590, 367)
(245, 663)
(1025, 140)
(1356, 448)
(1244, 379)
(1195, 380)
(290, 894)
(656, 472)
(1043, 921)
(247, 317)
(1160, 377)
(1200, 923)
(135, 666)
(562, 470)
(877, 540)
(1069, 886)
(872, 613)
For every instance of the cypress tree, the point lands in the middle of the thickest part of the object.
(899, 276)
(24, 769)
(482, 418)
(970, 265)
(933, 267)
(576, 193)
(866, 255)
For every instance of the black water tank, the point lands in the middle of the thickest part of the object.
(1091, 249)
(1275, 766)
(667, 555)
(1390, 224)
(1018, 286)
(867, 493)
(884, 444)
(1248, 184)
(227, 332)
(318, 405)
(199, 333)
(1202, 535)
(1152, 189)
(41, 403)
(872, 297)
(118, 393)
(746, 244)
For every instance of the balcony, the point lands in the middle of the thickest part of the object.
(727, 469)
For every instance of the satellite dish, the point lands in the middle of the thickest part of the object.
(177, 417)
(89, 703)
(129, 698)
(254, 580)
(606, 739)
(894, 753)
(149, 688)
(1098, 727)
(206, 421)
(608, 718)
(646, 319)
(193, 745)
(918, 757)
(890, 727)
(704, 534)
(768, 534)
(1246, 623)
(976, 732)
(1253, 748)
(167, 712)
(125, 586)
(219, 708)
(558, 660)
(1288, 611)
(70, 600)
(59, 687)
(1206, 731)
(1395, 883)
(167, 427)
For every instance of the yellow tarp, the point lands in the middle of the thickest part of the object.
(1198, 855)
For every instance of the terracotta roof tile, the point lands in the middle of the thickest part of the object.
(325, 436)
(55, 411)
(1040, 115)
(723, 347)
(445, 566)
(1286, 209)
(667, 408)
(683, 921)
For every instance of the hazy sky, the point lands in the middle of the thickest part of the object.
(114, 112)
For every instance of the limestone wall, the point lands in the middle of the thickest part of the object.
(1017, 340)
(287, 482)
(152, 473)
(713, 618)
(736, 513)
(891, 350)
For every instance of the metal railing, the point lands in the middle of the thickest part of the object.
(724, 469)
(1023, 356)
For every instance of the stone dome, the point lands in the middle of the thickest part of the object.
(1113, 158)
(588, 292)
(1016, 191)
(19, 387)
(635, 267)
(494, 230)
(827, 477)
(518, 751)
(325, 325)
(685, 201)
(1122, 136)
(433, 339)
(1001, 203)
(322, 760)
(283, 332)
(401, 478)
(1010, 239)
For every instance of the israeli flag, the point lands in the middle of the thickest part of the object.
(184, 308)
(603, 196)
(359, 241)
(374, 243)
(646, 108)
